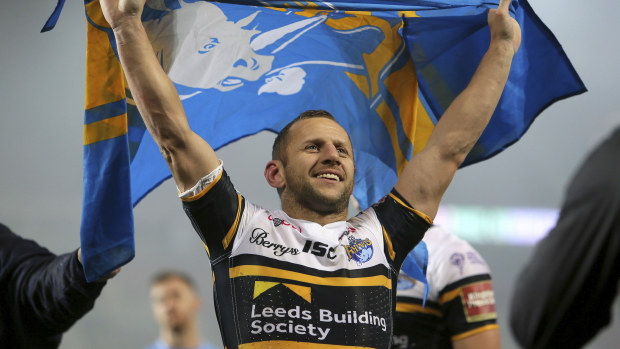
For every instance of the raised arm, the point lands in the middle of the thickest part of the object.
(187, 154)
(427, 176)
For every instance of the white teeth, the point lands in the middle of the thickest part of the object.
(329, 176)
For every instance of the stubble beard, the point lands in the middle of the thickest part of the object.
(312, 199)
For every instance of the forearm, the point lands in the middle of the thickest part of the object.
(187, 154)
(153, 92)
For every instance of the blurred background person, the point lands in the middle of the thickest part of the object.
(564, 294)
(460, 307)
(41, 294)
(176, 304)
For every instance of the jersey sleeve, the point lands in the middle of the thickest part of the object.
(403, 226)
(463, 281)
(468, 306)
(215, 212)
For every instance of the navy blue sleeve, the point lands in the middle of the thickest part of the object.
(403, 225)
(215, 213)
(42, 294)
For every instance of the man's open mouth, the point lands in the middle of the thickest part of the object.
(329, 176)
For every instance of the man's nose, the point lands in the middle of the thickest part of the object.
(331, 154)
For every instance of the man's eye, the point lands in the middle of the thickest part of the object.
(343, 151)
(312, 147)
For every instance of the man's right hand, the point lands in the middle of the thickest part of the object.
(503, 27)
(118, 11)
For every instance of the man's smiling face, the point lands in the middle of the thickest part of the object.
(319, 167)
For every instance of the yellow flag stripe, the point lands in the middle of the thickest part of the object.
(93, 9)
(389, 120)
(105, 129)
(105, 82)
(408, 14)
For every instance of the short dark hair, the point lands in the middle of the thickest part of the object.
(173, 274)
(278, 151)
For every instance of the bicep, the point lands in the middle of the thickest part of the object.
(425, 179)
(190, 160)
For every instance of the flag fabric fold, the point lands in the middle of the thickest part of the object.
(53, 19)
(385, 69)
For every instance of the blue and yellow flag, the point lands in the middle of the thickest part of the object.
(386, 70)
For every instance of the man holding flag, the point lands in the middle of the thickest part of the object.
(304, 275)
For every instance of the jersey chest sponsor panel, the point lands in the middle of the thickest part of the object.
(296, 281)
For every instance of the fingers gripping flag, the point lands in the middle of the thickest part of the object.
(385, 69)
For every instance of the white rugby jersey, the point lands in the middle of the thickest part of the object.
(460, 301)
(280, 282)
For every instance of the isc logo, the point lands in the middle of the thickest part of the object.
(320, 249)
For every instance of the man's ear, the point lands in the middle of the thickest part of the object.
(274, 174)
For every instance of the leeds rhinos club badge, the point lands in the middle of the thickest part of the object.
(359, 250)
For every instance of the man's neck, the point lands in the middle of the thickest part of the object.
(188, 337)
(322, 218)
